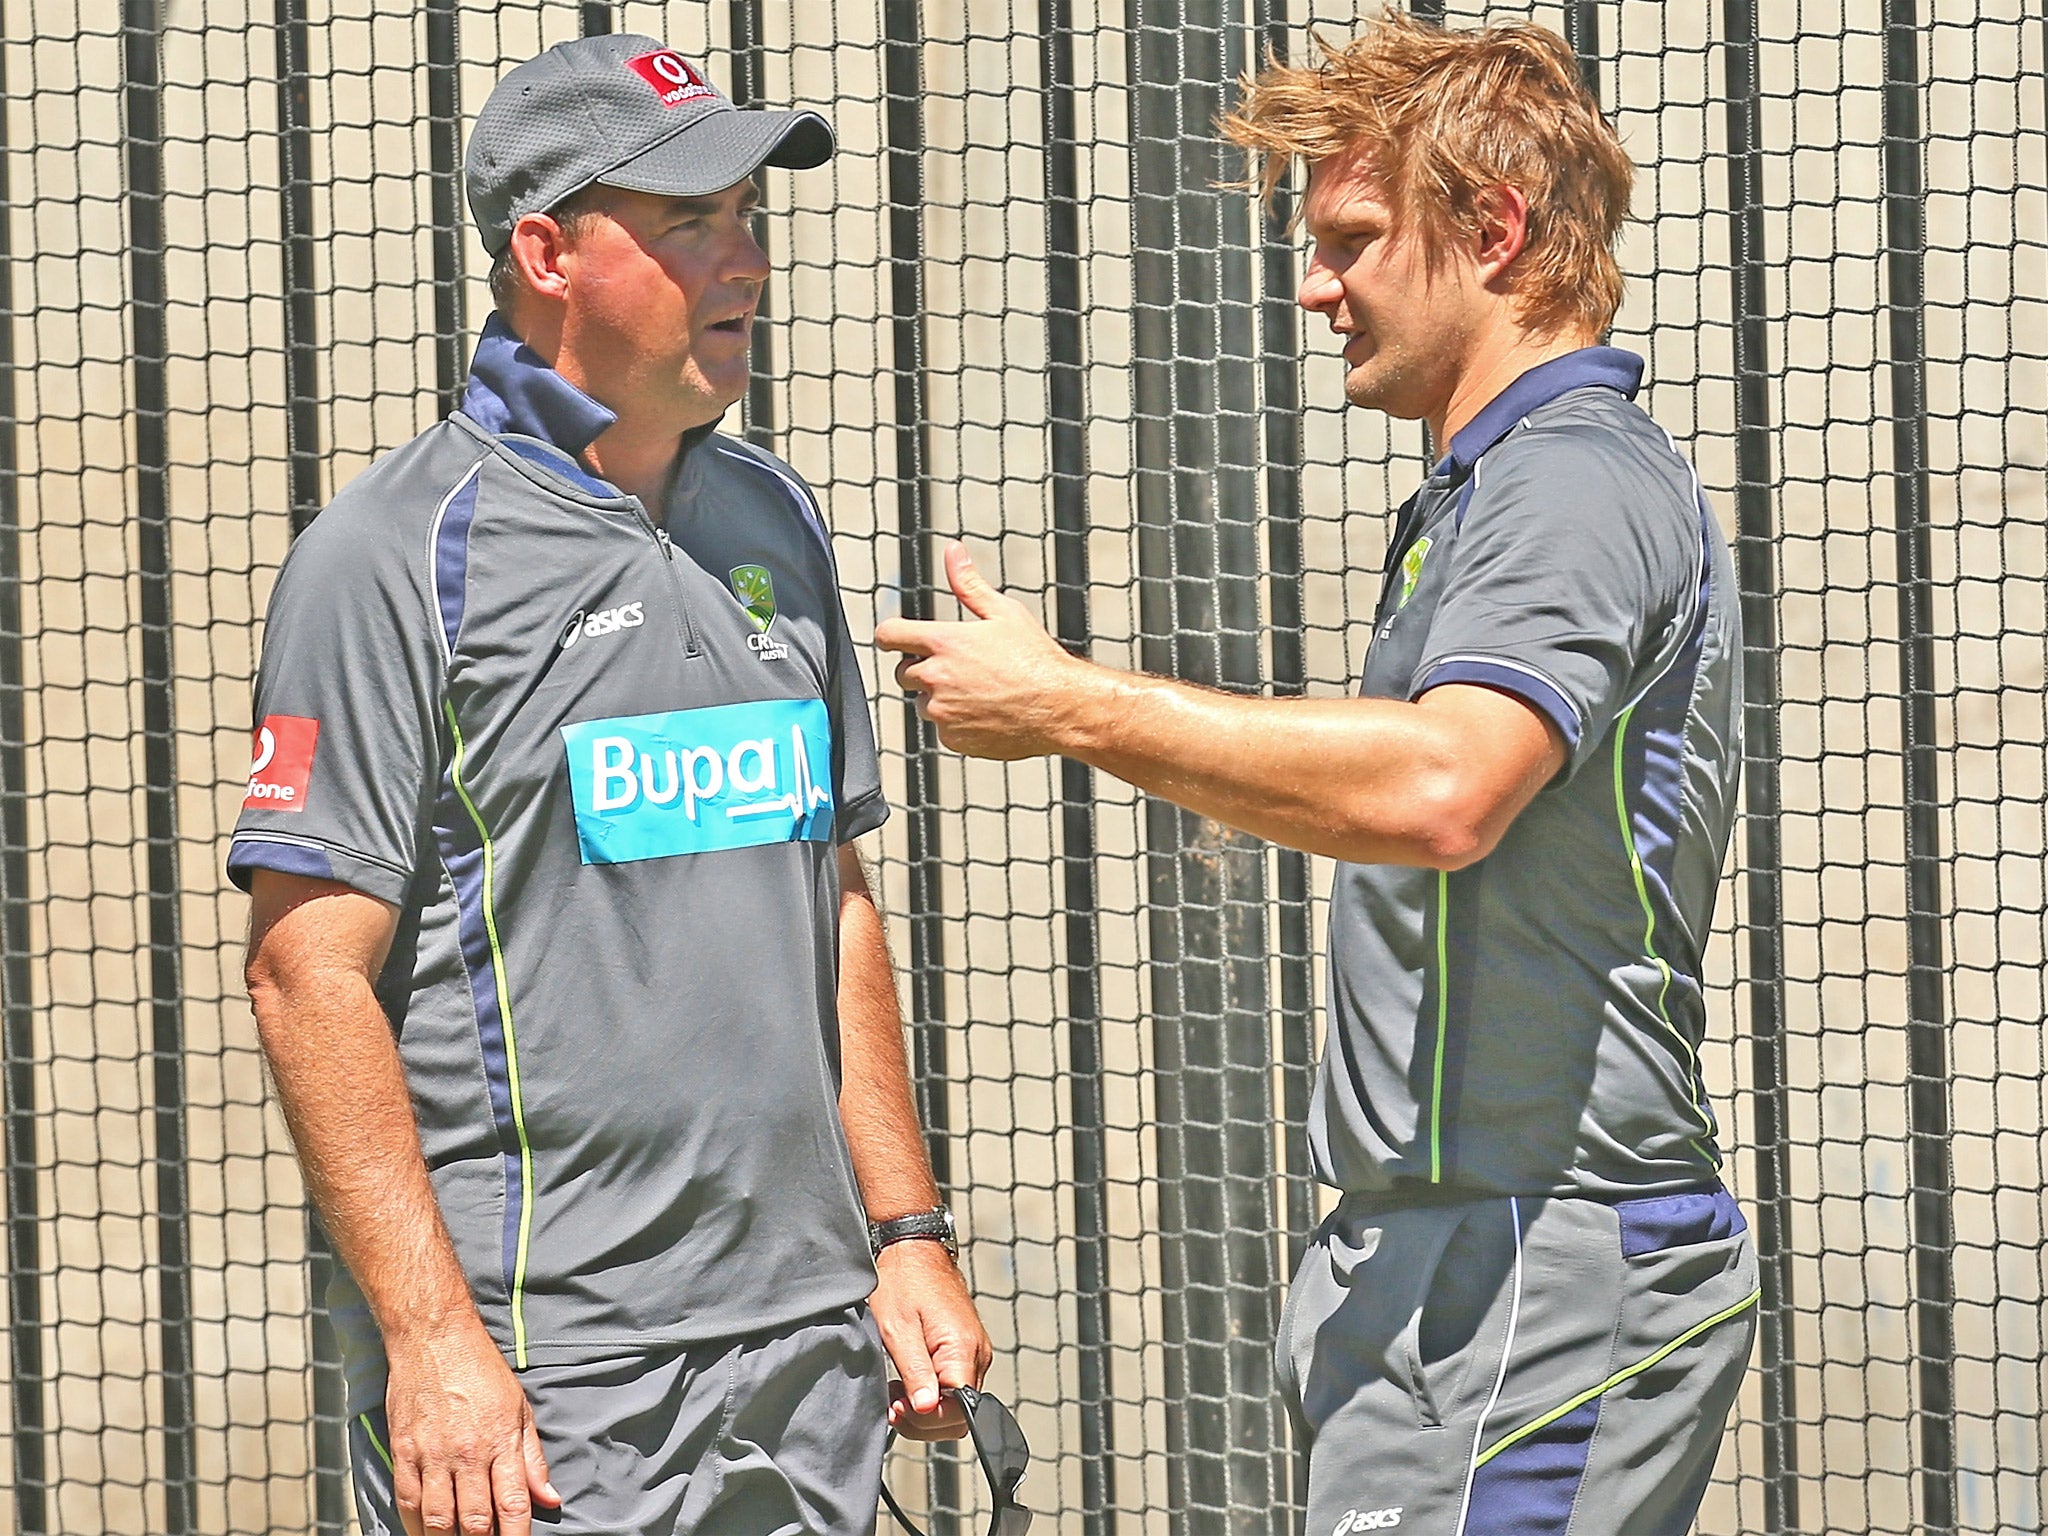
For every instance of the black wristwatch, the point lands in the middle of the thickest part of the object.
(936, 1225)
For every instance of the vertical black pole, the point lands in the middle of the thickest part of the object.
(1067, 405)
(331, 1512)
(597, 18)
(1927, 1108)
(1280, 369)
(142, 99)
(749, 84)
(444, 147)
(1582, 32)
(17, 1006)
(301, 355)
(1428, 10)
(1763, 862)
(1196, 382)
(903, 86)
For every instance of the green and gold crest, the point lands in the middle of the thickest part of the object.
(1411, 569)
(755, 589)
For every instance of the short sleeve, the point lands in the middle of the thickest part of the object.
(858, 790)
(1569, 578)
(344, 749)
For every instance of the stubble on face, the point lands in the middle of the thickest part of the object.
(665, 302)
(1402, 329)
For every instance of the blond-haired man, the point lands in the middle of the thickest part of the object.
(1533, 1305)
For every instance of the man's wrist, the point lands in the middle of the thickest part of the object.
(932, 1226)
(1091, 715)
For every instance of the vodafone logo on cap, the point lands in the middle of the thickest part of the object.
(674, 78)
(281, 764)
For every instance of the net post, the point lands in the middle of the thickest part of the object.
(1763, 862)
(1196, 384)
(903, 132)
(332, 1514)
(749, 85)
(331, 1511)
(1281, 408)
(142, 144)
(1066, 424)
(1927, 1106)
(17, 981)
(301, 352)
(444, 140)
(596, 19)
(1582, 33)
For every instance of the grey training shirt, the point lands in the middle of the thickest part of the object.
(601, 768)
(1531, 1024)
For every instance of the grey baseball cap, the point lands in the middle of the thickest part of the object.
(625, 110)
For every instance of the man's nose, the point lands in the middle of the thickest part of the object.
(1321, 289)
(748, 262)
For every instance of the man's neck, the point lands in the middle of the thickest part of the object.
(639, 462)
(1497, 362)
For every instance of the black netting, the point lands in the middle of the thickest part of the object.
(1020, 308)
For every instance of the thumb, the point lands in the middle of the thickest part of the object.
(969, 585)
(537, 1468)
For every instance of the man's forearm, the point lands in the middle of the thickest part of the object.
(875, 1104)
(1433, 783)
(1368, 780)
(343, 1093)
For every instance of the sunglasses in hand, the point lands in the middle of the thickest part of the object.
(1004, 1456)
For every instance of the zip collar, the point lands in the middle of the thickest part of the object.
(1588, 367)
(512, 391)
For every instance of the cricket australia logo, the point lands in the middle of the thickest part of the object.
(755, 589)
(1411, 569)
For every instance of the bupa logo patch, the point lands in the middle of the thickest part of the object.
(674, 78)
(281, 763)
(695, 780)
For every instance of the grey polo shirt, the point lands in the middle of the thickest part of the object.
(1531, 1024)
(600, 766)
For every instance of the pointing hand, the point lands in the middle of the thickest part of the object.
(996, 685)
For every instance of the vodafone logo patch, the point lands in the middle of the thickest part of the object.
(674, 78)
(281, 764)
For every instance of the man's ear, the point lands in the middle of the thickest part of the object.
(1503, 230)
(538, 245)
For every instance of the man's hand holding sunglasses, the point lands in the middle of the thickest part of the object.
(933, 1335)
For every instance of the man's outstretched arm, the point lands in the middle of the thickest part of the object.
(928, 1322)
(1434, 783)
(464, 1451)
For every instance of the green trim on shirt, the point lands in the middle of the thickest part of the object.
(511, 1048)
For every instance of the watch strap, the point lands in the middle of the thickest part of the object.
(935, 1225)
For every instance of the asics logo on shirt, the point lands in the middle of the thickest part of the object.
(1357, 1520)
(602, 621)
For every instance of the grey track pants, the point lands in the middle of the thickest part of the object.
(776, 1434)
(1518, 1366)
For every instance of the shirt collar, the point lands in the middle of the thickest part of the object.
(1605, 367)
(512, 390)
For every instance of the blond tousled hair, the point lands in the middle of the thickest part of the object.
(1445, 117)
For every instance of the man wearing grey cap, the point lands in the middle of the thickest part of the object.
(561, 954)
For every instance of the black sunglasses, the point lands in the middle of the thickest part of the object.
(1000, 1447)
